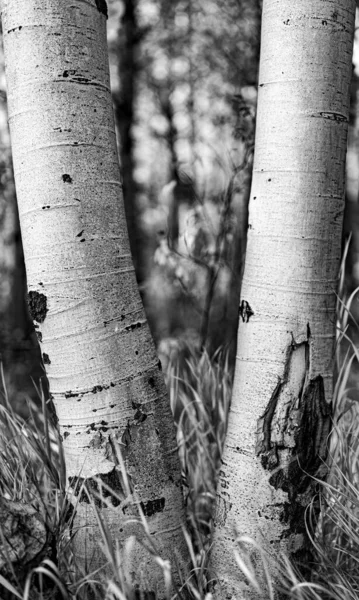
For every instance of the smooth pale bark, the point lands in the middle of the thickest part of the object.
(279, 418)
(104, 375)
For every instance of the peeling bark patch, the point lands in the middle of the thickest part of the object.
(37, 304)
(46, 359)
(66, 178)
(151, 507)
(245, 311)
(102, 7)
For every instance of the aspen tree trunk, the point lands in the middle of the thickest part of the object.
(104, 375)
(280, 413)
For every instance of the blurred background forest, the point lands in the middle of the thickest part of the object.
(184, 82)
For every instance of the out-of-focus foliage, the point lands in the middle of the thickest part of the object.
(7, 207)
(184, 72)
(19, 353)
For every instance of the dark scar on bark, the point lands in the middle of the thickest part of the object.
(292, 439)
(46, 359)
(90, 489)
(151, 507)
(102, 7)
(245, 311)
(37, 304)
(307, 423)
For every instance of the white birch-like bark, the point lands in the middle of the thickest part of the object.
(105, 377)
(279, 419)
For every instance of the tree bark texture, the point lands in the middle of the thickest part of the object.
(280, 413)
(104, 375)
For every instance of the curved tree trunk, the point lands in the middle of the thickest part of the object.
(104, 374)
(280, 413)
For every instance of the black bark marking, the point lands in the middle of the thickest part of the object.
(39, 336)
(97, 388)
(66, 178)
(71, 394)
(102, 7)
(100, 388)
(68, 72)
(83, 80)
(245, 311)
(94, 390)
(91, 489)
(37, 304)
(331, 116)
(91, 427)
(46, 359)
(151, 507)
(19, 28)
(140, 416)
(133, 326)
